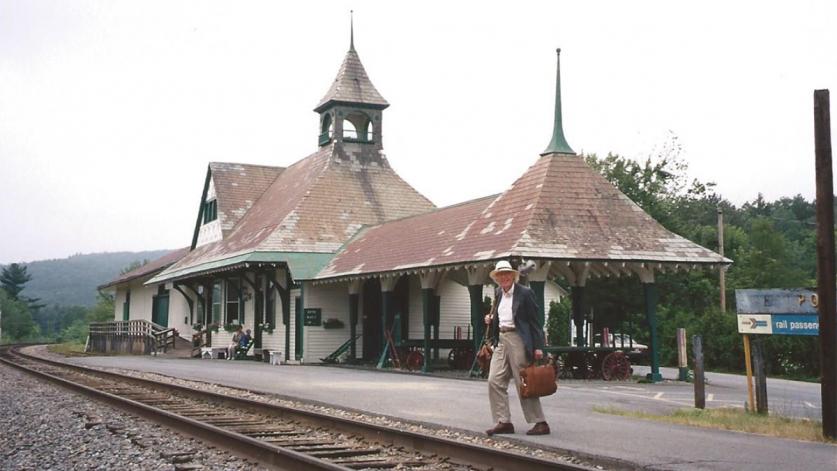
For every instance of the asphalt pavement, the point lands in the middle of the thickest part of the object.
(571, 412)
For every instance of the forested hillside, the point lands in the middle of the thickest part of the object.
(72, 281)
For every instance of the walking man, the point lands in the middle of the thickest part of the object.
(517, 339)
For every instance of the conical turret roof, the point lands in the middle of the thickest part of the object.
(352, 86)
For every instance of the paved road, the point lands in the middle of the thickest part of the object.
(463, 404)
(785, 398)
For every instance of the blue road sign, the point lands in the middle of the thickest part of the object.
(776, 301)
(777, 311)
(794, 324)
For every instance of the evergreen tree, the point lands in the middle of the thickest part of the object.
(13, 279)
(17, 320)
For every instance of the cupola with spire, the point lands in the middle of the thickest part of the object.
(558, 144)
(350, 112)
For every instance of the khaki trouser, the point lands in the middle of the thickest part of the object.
(509, 357)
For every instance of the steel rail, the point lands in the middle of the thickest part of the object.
(275, 456)
(474, 454)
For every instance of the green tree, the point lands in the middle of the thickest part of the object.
(103, 311)
(78, 330)
(772, 244)
(558, 322)
(17, 320)
(13, 279)
(768, 261)
(52, 320)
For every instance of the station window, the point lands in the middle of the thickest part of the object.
(210, 211)
(271, 306)
(216, 302)
(233, 291)
(126, 306)
(199, 303)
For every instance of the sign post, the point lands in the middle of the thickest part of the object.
(751, 404)
(700, 383)
(682, 358)
(825, 261)
(772, 312)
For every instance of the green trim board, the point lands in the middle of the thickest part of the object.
(199, 222)
(302, 265)
(351, 104)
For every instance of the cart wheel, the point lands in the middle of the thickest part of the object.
(415, 360)
(554, 360)
(579, 366)
(616, 366)
(461, 358)
(595, 361)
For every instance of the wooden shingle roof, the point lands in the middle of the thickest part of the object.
(313, 206)
(237, 188)
(559, 209)
(417, 241)
(155, 266)
(352, 85)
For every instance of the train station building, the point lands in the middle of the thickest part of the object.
(338, 250)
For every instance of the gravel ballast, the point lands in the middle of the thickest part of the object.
(47, 427)
(377, 419)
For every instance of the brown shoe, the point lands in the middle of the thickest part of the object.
(540, 428)
(501, 427)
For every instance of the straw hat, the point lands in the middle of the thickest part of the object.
(504, 266)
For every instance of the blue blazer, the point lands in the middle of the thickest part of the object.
(525, 312)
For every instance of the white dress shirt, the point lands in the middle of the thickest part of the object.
(504, 309)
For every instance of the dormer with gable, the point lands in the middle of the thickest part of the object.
(208, 227)
(230, 189)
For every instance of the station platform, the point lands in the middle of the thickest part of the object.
(463, 404)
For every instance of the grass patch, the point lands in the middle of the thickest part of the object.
(68, 349)
(733, 419)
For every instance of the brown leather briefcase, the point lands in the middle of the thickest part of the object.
(484, 356)
(537, 381)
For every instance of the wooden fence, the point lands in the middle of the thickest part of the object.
(138, 337)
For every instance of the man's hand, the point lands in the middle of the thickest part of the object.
(538, 354)
(487, 319)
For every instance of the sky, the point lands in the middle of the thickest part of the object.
(111, 110)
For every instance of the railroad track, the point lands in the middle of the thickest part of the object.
(274, 435)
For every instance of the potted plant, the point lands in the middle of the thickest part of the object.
(232, 327)
(333, 323)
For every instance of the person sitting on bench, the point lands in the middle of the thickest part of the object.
(244, 345)
(235, 343)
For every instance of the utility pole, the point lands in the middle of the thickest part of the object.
(825, 262)
(722, 274)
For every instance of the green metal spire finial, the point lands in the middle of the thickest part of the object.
(352, 29)
(559, 144)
